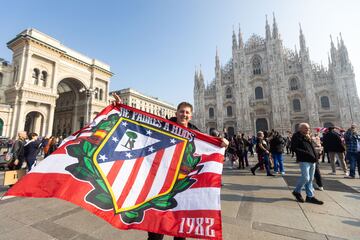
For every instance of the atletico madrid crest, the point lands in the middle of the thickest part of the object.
(133, 166)
(138, 163)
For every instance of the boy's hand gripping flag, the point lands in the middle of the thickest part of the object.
(136, 171)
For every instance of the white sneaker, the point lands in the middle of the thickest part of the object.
(282, 173)
(321, 188)
(346, 173)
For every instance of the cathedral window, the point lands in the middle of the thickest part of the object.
(229, 111)
(294, 85)
(35, 76)
(211, 112)
(259, 93)
(1, 79)
(296, 105)
(325, 103)
(256, 64)
(228, 93)
(43, 78)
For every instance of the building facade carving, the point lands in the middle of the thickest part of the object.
(267, 86)
(146, 103)
(49, 88)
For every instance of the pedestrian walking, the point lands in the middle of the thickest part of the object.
(306, 156)
(262, 150)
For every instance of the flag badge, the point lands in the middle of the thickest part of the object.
(138, 163)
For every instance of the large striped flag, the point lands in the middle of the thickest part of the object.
(136, 171)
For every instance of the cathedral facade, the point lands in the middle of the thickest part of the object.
(266, 86)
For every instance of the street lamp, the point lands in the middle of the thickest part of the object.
(89, 92)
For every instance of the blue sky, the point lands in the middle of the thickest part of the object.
(153, 46)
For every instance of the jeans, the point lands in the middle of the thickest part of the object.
(278, 162)
(245, 157)
(263, 159)
(307, 175)
(354, 158)
(341, 157)
(317, 176)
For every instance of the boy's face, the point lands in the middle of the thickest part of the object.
(183, 115)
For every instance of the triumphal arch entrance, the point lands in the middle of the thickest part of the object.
(54, 90)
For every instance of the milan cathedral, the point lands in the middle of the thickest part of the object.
(267, 86)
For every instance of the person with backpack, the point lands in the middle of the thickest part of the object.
(31, 149)
(262, 150)
(277, 144)
(17, 151)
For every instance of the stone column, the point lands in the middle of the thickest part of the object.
(20, 117)
(50, 120)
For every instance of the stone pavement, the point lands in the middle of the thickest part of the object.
(253, 207)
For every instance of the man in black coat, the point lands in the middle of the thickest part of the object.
(332, 142)
(306, 155)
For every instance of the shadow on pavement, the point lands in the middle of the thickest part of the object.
(329, 184)
(234, 197)
(353, 223)
(241, 187)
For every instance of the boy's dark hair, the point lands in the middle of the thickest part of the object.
(33, 135)
(184, 104)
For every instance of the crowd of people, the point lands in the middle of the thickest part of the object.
(340, 147)
(27, 148)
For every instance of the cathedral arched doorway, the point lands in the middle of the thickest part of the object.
(328, 124)
(34, 123)
(71, 107)
(261, 124)
(230, 131)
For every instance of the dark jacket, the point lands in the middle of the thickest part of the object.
(303, 147)
(332, 142)
(190, 125)
(277, 144)
(261, 142)
(31, 150)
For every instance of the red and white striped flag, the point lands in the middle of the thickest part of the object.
(136, 171)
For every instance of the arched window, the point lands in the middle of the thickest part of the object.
(229, 111)
(325, 103)
(256, 65)
(35, 76)
(294, 85)
(43, 78)
(1, 79)
(101, 92)
(96, 93)
(228, 93)
(296, 105)
(15, 74)
(1, 126)
(259, 93)
(211, 112)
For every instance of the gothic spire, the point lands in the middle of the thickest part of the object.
(267, 29)
(302, 40)
(332, 50)
(234, 41)
(275, 28)
(217, 60)
(241, 43)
